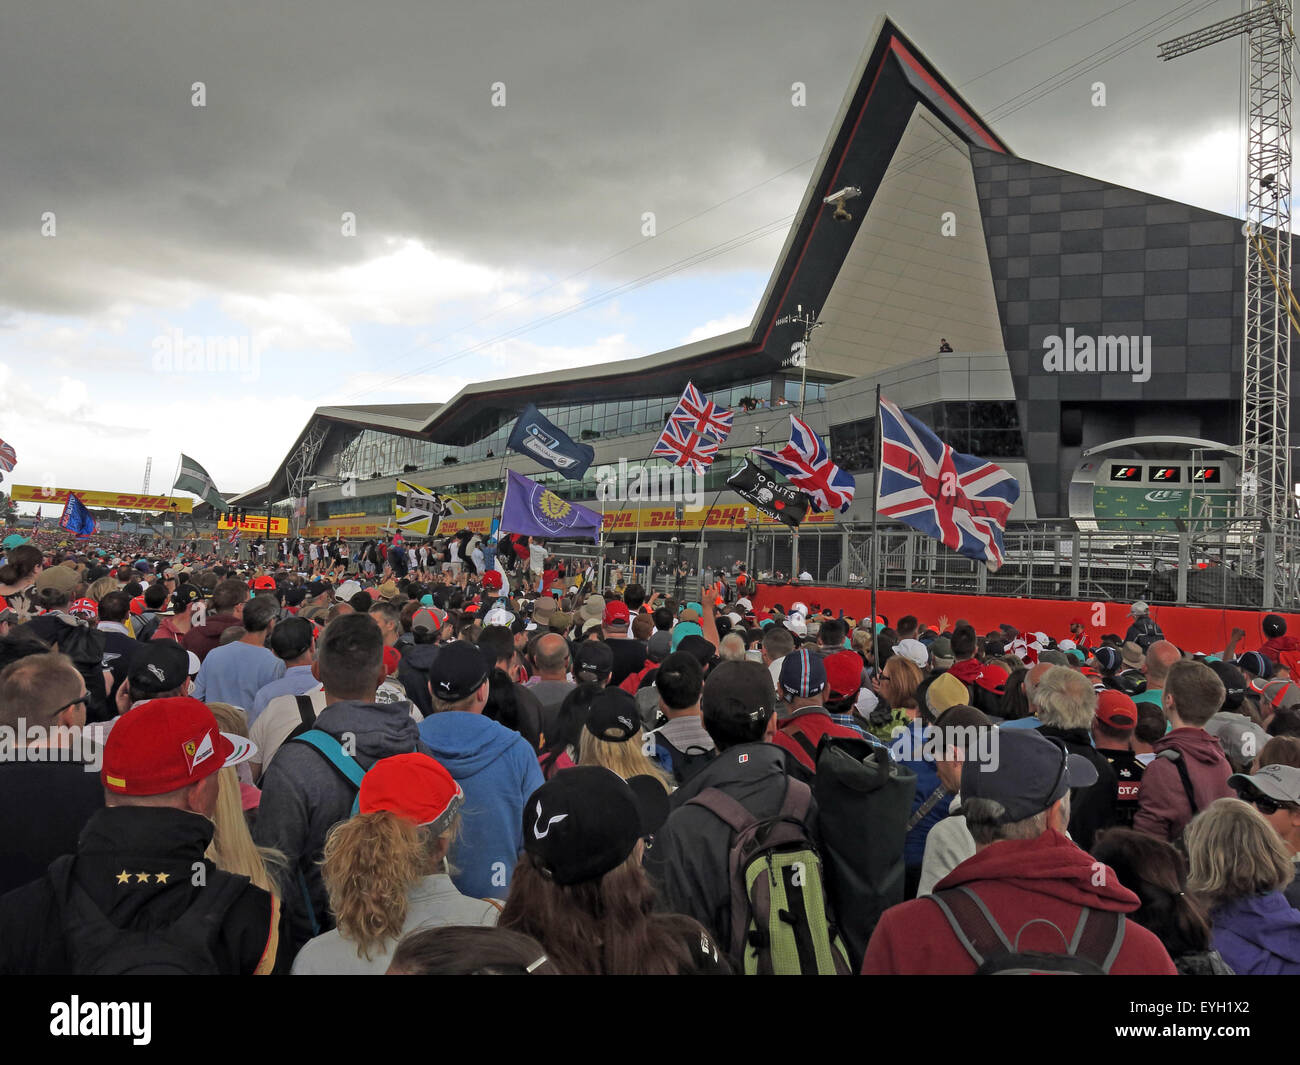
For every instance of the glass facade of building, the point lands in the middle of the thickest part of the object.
(989, 430)
(376, 453)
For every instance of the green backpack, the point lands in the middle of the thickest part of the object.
(781, 924)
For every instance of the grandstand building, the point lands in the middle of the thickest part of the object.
(1096, 334)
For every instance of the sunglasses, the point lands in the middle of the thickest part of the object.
(1268, 806)
(83, 700)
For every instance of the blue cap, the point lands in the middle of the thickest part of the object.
(802, 674)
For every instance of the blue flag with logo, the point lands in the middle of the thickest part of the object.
(544, 441)
(76, 518)
(531, 510)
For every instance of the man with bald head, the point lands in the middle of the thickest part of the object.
(50, 792)
(1161, 657)
(551, 682)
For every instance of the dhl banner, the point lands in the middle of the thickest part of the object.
(257, 524)
(349, 530)
(26, 493)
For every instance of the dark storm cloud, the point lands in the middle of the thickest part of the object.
(315, 108)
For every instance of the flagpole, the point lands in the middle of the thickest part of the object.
(875, 509)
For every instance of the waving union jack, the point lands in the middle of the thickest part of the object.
(807, 465)
(684, 447)
(701, 416)
(960, 500)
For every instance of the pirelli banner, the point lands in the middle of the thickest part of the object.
(256, 524)
(27, 493)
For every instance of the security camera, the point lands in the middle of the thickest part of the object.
(838, 199)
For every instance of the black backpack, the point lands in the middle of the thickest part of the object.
(1097, 940)
(85, 645)
(864, 799)
(97, 947)
(682, 764)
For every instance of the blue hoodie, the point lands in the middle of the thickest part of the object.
(498, 771)
(1259, 935)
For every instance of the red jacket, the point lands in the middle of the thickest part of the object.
(1163, 810)
(1019, 881)
(812, 723)
(1278, 645)
(202, 639)
(967, 671)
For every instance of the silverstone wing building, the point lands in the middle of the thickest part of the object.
(1096, 334)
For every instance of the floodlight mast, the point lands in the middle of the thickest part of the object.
(1266, 484)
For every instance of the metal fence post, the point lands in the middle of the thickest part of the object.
(1270, 568)
(1075, 555)
(1184, 564)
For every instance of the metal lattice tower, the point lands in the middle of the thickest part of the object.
(300, 465)
(1266, 483)
(148, 467)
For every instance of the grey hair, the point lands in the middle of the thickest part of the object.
(1065, 699)
(732, 648)
(983, 817)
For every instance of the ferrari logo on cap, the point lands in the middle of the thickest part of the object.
(196, 753)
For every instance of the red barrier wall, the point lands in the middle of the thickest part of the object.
(1193, 628)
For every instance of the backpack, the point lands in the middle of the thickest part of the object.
(85, 646)
(1097, 939)
(346, 766)
(97, 947)
(857, 785)
(143, 626)
(781, 923)
(681, 765)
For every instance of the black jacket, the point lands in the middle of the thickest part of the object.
(1096, 806)
(413, 672)
(46, 804)
(690, 856)
(137, 841)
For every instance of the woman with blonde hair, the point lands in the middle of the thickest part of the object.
(386, 869)
(612, 738)
(232, 848)
(1239, 867)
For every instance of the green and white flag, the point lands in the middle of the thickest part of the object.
(194, 478)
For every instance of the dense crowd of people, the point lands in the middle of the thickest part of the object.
(456, 757)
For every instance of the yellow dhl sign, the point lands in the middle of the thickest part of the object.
(657, 519)
(256, 524)
(27, 493)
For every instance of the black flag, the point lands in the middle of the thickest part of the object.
(779, 501)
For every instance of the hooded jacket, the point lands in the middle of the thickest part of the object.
(304, 796)
(690, 857)
(1094, 807)
(498, 771)
(413, 672)
(203, 638)
(1019, 881)
(1162, 810)
(162, 845)
(1258, 935)
(967, 671)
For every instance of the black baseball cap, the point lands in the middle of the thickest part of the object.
(584, 822)
(738, 693)
(184, 595)
(316, 588)
(291, 638)
(156, 667)
(295, 596)
(1234, 684)
(458, 670)
(1026, 774)
(593, 657)
(613, 716)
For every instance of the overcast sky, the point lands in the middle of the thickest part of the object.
(489, 241)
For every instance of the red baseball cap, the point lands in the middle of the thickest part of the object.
(616, 612)
(414, 787)
(993, 678)
(168, 744)
(392, 659)
(843, 674)
(492, 579)
(1116, 709)
(137, 605)
(84, 608)
(263, 583)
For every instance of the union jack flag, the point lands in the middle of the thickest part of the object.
(960, 500)
(684, 447)
(9, 457)
(701, 416)
(807, 465)
(234, 536)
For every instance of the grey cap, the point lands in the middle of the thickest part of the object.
(1240, 738)
(1026, 774)
(1280, 782)
(1053, 657)
(659, 645)
(941, 652)
(1139, 610)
